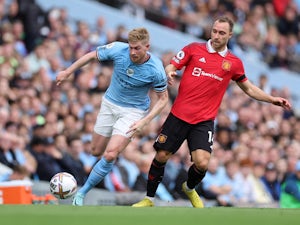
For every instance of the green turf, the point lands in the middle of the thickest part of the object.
(125, 215)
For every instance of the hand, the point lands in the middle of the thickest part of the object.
(135, 129)
(61, 76)
(171, 76)
(284, 103)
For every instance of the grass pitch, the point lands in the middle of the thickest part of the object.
(126, 215)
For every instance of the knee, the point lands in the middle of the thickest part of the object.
(110, 156)
(201, 159)
(201, 164)
(163, 156)
(96, 151)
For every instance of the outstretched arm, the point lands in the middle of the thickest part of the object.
(63, 75)
(258, 94)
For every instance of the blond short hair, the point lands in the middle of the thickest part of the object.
(139, 34)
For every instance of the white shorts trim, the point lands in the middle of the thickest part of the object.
(113, 119)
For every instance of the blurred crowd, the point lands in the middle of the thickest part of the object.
(45, 129)
(270, 28)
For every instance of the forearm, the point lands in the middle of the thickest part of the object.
(260, 95)
(81, 62)
(170, 68)
(157, 107)
(255, 92)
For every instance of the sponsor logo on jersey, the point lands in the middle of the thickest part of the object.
(197, 72)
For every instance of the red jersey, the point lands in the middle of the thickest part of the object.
(204, 81)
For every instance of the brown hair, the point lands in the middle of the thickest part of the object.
(226, 19)
(139, 34)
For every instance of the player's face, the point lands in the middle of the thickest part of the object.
(138, 52)
(220, 35)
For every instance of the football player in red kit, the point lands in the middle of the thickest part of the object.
(209, 67)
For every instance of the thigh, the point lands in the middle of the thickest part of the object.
(126, 117)
(173, 133)
(201, 136)
(105, 119)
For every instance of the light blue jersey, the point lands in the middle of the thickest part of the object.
(130, 83)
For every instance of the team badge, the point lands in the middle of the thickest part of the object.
(129, 72)
(226, 65)
(161, 138)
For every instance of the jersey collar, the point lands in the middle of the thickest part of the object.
(211, 50)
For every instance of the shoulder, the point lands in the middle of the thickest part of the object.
(114, 45)
(233, 57)
(198, 44)
(194, 45)
(155, 66)
(121, 44)
(191, 49)
(155, 59)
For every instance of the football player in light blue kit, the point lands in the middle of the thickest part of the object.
(125, 105)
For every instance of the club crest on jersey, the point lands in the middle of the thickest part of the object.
(161, 138)
(129, 72)
(226, 65)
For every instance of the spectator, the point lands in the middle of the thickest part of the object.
(288, 23)
(290, 190)
(78, 169)
(33, 18)
(128, 159)
(175, 175)
(233, 180)
(117, 179)
(50, 160)
(86, 156)
(264, 84)
(211, 186)
(271, 181)
(247, 195)
(14, 156)
(8, 174)
(261, 193)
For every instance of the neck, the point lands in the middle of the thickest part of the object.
(146, 58)
(221, 49)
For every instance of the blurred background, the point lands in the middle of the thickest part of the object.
(47, 129)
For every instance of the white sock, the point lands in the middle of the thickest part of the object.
(187, 188)
(150, 198)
